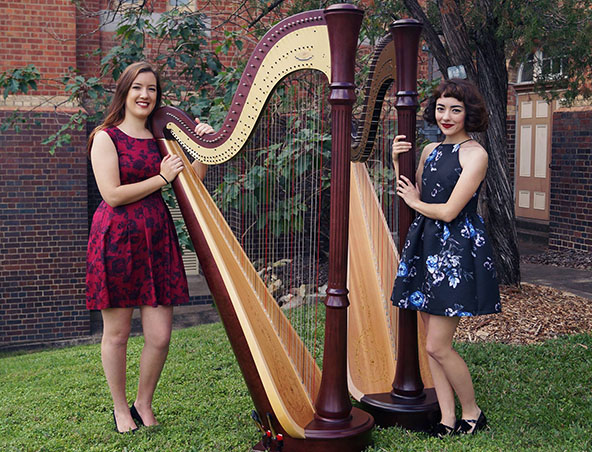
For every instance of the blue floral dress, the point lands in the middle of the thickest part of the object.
(447, 268)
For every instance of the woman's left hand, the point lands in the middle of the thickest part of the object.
(202, 128)
(407, 191)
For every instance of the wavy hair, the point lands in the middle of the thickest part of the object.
(476, 119)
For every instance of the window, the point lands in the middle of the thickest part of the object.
(188, 4)
(538, 67)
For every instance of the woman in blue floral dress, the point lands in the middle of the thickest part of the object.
(446, 269)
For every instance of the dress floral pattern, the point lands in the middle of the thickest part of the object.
(447, 268)
(133, 255)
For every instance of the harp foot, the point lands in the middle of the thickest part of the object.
(352, 435)
(413, 413)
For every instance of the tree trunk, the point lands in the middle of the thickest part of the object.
(457, 40)
(491, 76)
(429, 33)
(499, 196)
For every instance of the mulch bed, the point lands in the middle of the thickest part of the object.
(530, 314)
(563, 258)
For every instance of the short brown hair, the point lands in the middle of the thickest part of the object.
(464, 90)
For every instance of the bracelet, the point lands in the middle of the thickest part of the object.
(164, 178)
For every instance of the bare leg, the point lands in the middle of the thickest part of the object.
(157, 325)
(449, 368)
(444, 390)
(116, 330)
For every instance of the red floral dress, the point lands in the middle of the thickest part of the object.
(133, 255)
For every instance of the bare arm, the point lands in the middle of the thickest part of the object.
(105, 164)
(473, 161)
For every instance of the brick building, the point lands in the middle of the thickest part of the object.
(43, 198)
(46, 200)
(551, 162)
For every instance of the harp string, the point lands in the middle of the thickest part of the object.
(283, 245)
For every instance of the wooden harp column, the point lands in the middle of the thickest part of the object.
(407, 383)
(333, 400)
(384, 359)
(327, 422)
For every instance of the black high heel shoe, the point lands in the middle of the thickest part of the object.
(135, 415)
(442, 430)
(117, 430)
(471, 426)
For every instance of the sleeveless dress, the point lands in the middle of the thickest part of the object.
(446, 268)
(133, 255)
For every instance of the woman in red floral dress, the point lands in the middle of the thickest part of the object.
(133, 256)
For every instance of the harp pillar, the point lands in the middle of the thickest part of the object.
(408, 404)
(333, 401)
(337, 426)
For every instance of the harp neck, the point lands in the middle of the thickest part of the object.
(300, 42)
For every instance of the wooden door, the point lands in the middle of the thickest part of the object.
(533, 156)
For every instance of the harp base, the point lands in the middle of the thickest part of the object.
(417, 413)
(353, 435)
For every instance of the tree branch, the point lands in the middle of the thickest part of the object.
(267, 10)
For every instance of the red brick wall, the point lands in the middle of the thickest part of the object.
(89, 39)
(29, 32)
(43, 236)
(570, 223)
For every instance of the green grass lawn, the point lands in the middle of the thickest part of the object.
(537, 398)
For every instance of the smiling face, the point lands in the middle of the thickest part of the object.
(450, 116)
(141, 97)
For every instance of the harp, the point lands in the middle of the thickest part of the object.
(312, 413)
(396, 391)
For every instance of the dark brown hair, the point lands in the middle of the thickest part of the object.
(116, 111)
(465, 91)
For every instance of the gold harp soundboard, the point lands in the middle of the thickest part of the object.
(315, 416)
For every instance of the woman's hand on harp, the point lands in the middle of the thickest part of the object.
(202, 128)
(400, 146)
(170, 167)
